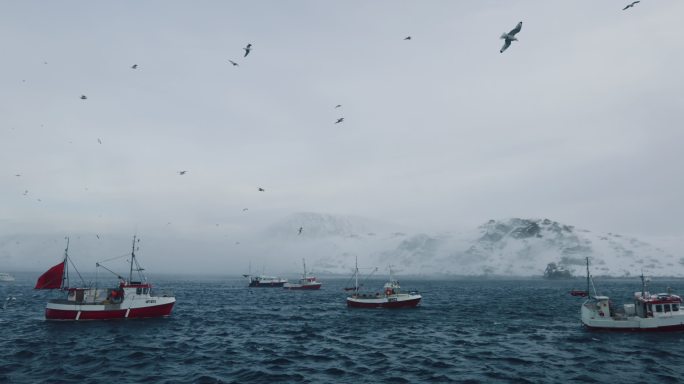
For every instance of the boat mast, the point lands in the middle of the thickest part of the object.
(643, 284)
(130, 275)
(588, 294)
(304, 262)
(65, 274)
(356, 274)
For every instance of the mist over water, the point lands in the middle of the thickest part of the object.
(478, 331)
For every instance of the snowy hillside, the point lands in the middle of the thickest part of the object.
(512, 247)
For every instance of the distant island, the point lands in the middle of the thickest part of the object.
(555, 272)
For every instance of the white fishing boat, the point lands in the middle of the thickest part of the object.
(6, 277)
(391, 297)
(307, 282)
(648, 312)
(130, 299)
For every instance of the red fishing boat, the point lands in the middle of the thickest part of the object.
(307, 282)
(391, 297)
(579, 293)
(130, 299)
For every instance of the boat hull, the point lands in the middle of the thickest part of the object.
(384, 302)
(305, 287)
(665, 328)
(594, 320)
(273, 284)
(100, 312)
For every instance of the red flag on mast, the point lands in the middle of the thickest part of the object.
(52, 279)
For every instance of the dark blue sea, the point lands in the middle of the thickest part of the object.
(464, 331)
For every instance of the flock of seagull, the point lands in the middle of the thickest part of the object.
(508, 38)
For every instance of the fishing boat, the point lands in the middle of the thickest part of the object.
(262, 281)
(307, 282)
(6, 277)
(391, 297)
(130, 299)
(648, 312)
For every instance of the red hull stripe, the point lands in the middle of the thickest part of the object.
(305, 287)
(147, 312)
(391, 304)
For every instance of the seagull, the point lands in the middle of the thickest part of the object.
(182, 172)
(338, 105)
(407, 38)
(300, 230)
(84, 97)
(341, 119)
(261, 189)
(630, 5)
(134, 66)
(244, 209)
(25, 192)
(247, 49)
(98, 237)
(99, 141)
(234, 63)
(510, 36)
(18, 175)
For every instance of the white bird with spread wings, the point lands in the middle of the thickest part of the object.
(510, 36)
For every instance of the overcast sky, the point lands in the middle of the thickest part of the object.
(579, 121)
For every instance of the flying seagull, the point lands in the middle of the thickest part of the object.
(84, 97)
(247, 49)
(234, 63)
(244, 209)
(407, 38)
(18, 175)
(134, 66)
(630, 5)
(25, 192)
(300, 230)
(341, 119)
(99, 141)
(182, 172)
(338, 105)
(261, 189)
(510, 36)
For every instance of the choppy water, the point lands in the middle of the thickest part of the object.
(222, 332)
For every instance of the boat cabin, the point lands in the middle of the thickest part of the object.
(660, 305)
(108, 295)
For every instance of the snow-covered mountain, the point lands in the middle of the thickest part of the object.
(510, 247)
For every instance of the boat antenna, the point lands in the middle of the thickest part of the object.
(304, 262)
